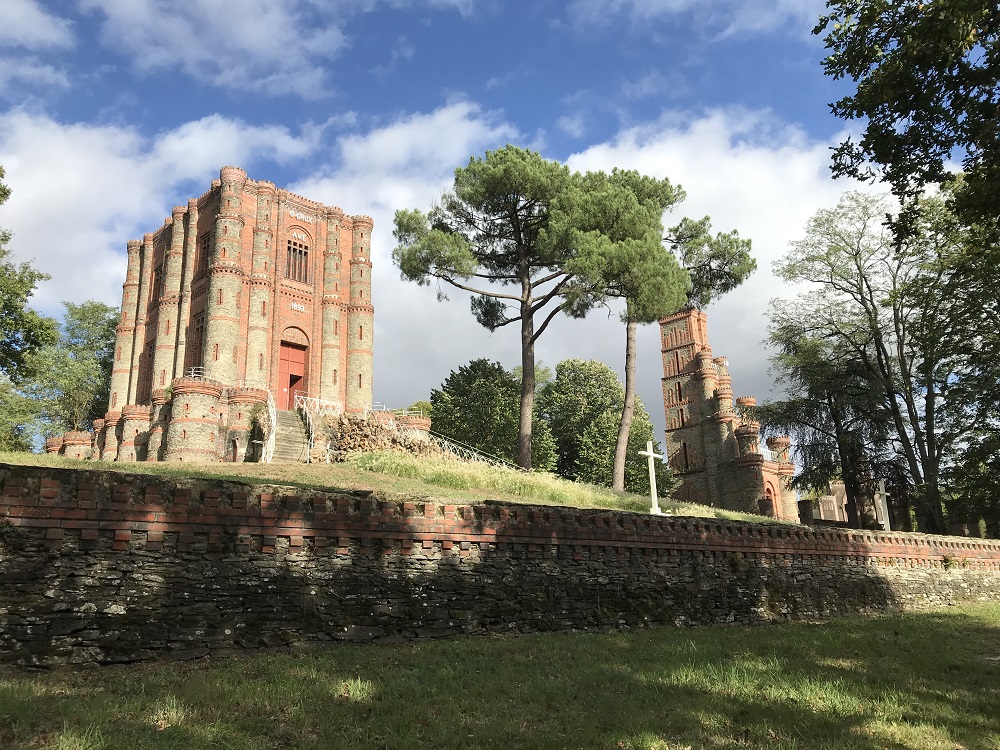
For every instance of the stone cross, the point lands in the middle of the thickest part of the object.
(655, 508)
(882, 505)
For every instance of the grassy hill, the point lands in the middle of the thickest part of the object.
(397, 475)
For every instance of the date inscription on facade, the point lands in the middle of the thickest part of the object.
(298, 307)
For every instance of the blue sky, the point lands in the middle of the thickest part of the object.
(113, 111)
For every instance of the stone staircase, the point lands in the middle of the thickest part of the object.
(291, 443)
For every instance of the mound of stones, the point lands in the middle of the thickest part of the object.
(338, 436)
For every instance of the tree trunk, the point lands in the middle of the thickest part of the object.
(625, 425)
(527, 387)
(850, 459)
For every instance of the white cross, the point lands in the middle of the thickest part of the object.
(882, 506)
(655, 509)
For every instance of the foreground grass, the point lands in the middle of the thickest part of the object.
(393, 474)
(911, 681)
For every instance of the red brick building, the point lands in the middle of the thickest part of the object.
(245, 290)
(713, 445)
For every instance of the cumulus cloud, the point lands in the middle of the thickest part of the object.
(746, 169)
(26, 24)
(408, 163)
(574, 125)
(257, 45)
(749, 172)
(16, 73)
(81, 191)
(718, 16)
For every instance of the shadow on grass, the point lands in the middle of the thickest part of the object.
(913, 681)
(901, 681)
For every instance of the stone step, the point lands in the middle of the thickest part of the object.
(291, 443)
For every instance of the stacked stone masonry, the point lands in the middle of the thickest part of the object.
(712, 440)
(248, 288)
(103, 567)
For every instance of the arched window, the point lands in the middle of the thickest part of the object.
(297, 262)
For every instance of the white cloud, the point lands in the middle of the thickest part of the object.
(24, 23)
(408, 164)
(718, 16)
(81, 191)
(254, 45)
(749, 172)
(573, 125)
(31, 73)
(655, 83)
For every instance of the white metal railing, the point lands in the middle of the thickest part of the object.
(468, 453)
(312, 406)
(272, 415)
(310, 429)
(318, 406)
(408, 412)
(198, 373)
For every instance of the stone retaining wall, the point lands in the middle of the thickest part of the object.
(102, 567)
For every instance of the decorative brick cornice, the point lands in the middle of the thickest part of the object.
(139, 412)
(196, 386)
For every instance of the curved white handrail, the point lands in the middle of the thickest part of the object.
(272, 415)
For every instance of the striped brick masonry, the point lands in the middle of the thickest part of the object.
(247, 286)
(110, 566)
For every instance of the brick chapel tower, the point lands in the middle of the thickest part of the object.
(713, 450)
(246, 289)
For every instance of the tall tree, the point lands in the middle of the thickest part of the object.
(928, 82)
(22, 330)
(833, 411)
(897, 308)
(582, 407)
(478, 405)
(69, 379)
(17, 415)
(492, 236)
(619, 232)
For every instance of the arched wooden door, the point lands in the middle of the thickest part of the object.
(291, 373)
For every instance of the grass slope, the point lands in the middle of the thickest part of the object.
(918, 681)
(395, 475)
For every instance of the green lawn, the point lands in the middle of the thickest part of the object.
(919, 680)
(397, 475)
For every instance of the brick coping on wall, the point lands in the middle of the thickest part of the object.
(143, 512)
(105, 567)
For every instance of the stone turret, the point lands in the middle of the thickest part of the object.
(244, 291)
(714, 443)
(360, 319)
(333, 307)
(225, 288)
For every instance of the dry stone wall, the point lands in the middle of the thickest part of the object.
(102, 567)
